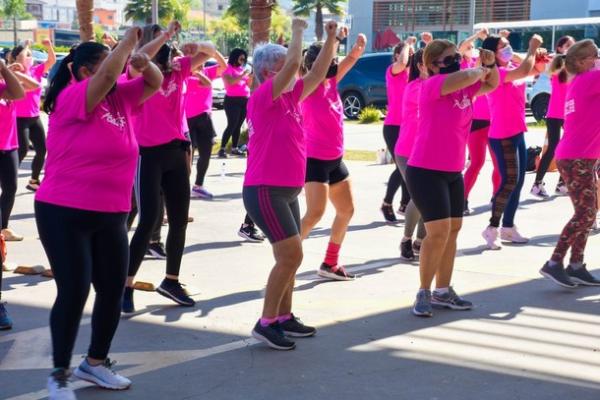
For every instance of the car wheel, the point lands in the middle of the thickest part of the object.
(539, 106)
(353, 104)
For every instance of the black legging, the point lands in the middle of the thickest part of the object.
(162, 168)
(155, 238)
(235, 110)
(202, 133)
(390, 135)
(9, 165)
(83, 247)
(554, 126)
(32, 129)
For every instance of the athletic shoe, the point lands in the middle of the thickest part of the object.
(273, 336)
(59, 386)
(406, 250)
(467, 210)
(402, 209)
(581, 276)
(416, 247)
(450, 300)
(5, 320)
(102, 375)
(237, 152)
(512, 235)
(422, 306)
(222, 154)
(293, 327)
(336, 272)
(388, 213)
(198, 192)
(156, 250)
(561, 189)
(174, 290)
(490, 234)
(128, 307)
(539, 190)
(11, 236)
(33, 185)
(557, 275)
(251, 234)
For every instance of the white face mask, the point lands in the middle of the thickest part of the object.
(596, 65)
(506, 54)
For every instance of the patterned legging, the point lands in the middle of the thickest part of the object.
(580, 178)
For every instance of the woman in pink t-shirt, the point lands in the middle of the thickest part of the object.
(237, 79)
(164, 162)
(434, 172)
(396, 79)
(577, 157)
(82, 204)
(326, 174)
(555, 117)
(10, 90)
(276, 172)
(507, 135)
(29, 125)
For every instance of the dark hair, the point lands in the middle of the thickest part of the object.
(84, 55)
(14, 53)
(413, 64)
(491, 43)
(311, 55)
(235, 55)
(148, 32)
(562, 41)
(397, 50)
(558, 66)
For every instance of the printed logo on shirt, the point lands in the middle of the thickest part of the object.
(171, 88)
(118, 120)
(570, 107)
(464, 103)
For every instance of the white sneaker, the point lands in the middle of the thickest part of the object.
(539, 190)
(512, 235)
(11, 236)
(59, 387)
(102, 375)
(561, 189)
(490, 234)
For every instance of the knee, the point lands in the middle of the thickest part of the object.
(345, 212)
(437, 237)
(314, 214)
(291, 259)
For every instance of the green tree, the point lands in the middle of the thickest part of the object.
(240, 10)
(304, 8)
(141, 10)
(14, 9)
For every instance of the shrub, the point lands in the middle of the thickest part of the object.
(369, 114)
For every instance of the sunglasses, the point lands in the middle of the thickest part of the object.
(449, 60)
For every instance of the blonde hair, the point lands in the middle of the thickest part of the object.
(579, 50)
(434, 50)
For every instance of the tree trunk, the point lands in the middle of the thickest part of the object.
(85, 15)
(15, 38)
(260, 21)
(319, 22)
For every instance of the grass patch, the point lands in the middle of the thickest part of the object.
(537, 124)
(360, 155)
(369, 115)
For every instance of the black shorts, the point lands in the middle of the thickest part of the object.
(437, 194)
(326, 171)
(274, 209)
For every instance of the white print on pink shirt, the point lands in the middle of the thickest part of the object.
(570, 107)
(171, 88)
(118, 121)
(464, 103)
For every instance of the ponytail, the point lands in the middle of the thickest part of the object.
(558, 67)
(413, 64)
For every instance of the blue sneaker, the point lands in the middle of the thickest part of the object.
(5, 321)
(422, 306)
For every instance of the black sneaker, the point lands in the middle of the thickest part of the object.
(388, 213)
(5, 320)
(33, 185)
(295, 328)
(406, 250)
(558, 275)
(173, 290)
(222, 154)
(273, 336)
(416, 247)
(156, 250)
(127, 306)
(336, 272)
(581, 276)
(251, 234)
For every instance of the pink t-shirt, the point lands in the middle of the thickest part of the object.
(396, 85)
(239, 89)
(277, 146)
(410, 118)
(582, 125)
(323, 116)
(29, 106)
(556, 108)
(160, 118)
(8, 123)
(198, 99)
(507, 107)
(444, 126)
(481, 108)
(92, 156)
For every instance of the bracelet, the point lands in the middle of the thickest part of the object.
(491, 65)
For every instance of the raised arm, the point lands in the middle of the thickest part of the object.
(222, 64)
(293, 59)
(24, 79)
(205, 50)
(464, 45)
(14, 90)
(150, 73)
(111, 68)
(51, 55)
(401, 63)
(526, 67)
(357, 51)
(152, 47)
(319, 69)
(462, 79)
(491, 80)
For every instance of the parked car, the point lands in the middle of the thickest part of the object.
(538, 95)
(218, 87)
(365, 84)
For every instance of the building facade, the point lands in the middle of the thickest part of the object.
(551, 9)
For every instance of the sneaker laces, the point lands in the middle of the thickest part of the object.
(61, 377)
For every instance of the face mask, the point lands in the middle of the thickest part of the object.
(332, 71)
(28, 62)
(506, 54)
(596, 65)
(454, 67)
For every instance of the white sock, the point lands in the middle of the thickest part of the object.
(442, 290)
(576, 266)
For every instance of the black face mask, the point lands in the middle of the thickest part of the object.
(332, 71)
(454, 67)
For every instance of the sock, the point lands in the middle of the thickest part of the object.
(424, 290)
(576, 265)
(553, 263)
(405, 239)
(264, 322)
(441, 290)
(282, 318)
(332, 254)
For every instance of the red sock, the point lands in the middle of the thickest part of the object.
(332, 254)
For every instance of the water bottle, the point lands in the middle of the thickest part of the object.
(223, 167)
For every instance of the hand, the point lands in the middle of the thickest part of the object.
(342, 33)
(411, 40)
(47, 43)
(139, 61)
(483, 33)
(331, 29)
(133, 35)
(299, 25)
(27, 43)
(16, 67)
(487, 57)
(174, 28)
(505, 33)
(535, 42)
(108, 40)
(361, 43)
(426, 37)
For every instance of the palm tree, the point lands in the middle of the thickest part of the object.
(141, 10)
(85, 15)
(304, 8)
(260, 20)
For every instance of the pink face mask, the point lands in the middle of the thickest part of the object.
(596, 65)
(28, 62)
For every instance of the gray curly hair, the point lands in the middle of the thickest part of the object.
(265, 57)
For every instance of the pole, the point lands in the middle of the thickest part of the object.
(472, 14)
(15, 30)
(155, 11)
(204, 14)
